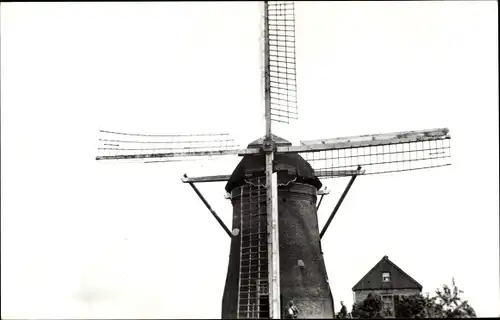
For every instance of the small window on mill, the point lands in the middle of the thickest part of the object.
(386, 277)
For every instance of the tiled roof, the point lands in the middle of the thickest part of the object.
(399, 279)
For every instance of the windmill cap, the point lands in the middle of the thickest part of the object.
(256, 163)
(277, 140)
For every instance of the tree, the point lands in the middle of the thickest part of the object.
(451, 305)
(410, 306)
(369, 308)
(416, 306)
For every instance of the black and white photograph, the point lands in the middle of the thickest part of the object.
(249, 160)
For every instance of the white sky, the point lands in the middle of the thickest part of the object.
(89, 239)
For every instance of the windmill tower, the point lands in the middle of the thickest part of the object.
(275, 252)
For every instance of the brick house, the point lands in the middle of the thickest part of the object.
(386, 280)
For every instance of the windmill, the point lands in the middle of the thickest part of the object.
(275, 253)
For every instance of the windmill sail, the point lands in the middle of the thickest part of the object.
(118, 145)
(280, 55)
(379, 153)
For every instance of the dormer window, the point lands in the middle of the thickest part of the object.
(386, 277)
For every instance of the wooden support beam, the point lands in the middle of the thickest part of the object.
(322, 173)
(366, 141)
(322, 195)
(221, 223)
(322, 233)
(325, 173)
(170, 155)
(432, 133)
(323, 192)
(206, 179)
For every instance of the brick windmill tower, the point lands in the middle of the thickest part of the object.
(275, 252)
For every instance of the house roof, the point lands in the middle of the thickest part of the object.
(399, 279)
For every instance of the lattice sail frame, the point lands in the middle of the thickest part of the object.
(280, 55)
(381, 158)
(164, 148)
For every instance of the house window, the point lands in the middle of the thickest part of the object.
(386, 277)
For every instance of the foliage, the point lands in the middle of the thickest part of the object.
(416, 306)
(451, 305)
(445, 304)
(369, 308)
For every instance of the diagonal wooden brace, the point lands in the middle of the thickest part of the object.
(338, 204)
(209, 207)
(324, 192)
